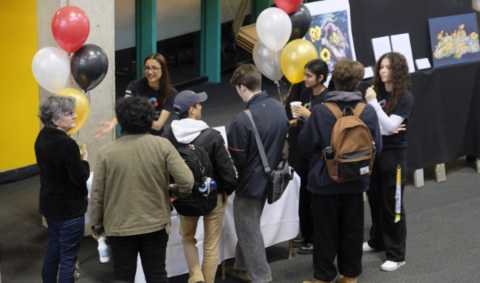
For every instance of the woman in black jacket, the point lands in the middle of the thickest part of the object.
(63, 188)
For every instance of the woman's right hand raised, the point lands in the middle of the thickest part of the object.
(105, 128)
(370, 94)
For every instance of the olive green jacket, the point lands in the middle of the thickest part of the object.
(130, 189)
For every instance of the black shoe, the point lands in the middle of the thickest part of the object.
(306, 249)
(297, 243)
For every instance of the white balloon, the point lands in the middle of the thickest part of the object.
(274, 28)
(51, 69)
(476, 5)
(268, 61)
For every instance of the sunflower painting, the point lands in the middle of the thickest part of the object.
(330, 35)
(454, 39)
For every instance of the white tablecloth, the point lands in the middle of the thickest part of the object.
(279, 223)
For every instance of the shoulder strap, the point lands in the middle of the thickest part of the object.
(334, 109)
(266, 167)
(204, 137)
(172, 139)
(359, 109)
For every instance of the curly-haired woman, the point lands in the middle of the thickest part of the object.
(156, 87)
(130, 193)
(394, 107)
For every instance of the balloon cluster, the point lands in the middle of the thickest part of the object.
(88, 64)
(281, 49)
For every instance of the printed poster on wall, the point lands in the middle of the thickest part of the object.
(331, 31)
(454, 39)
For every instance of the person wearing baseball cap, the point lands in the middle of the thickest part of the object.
(187, 130)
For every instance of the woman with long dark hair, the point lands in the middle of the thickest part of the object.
(393, 102)
(156, 87)
(316, 72)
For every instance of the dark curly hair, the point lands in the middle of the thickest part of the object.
(134, 114)
(400, 79)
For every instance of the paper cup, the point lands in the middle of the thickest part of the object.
(295, 103)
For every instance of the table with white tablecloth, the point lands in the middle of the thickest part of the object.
(279, 223)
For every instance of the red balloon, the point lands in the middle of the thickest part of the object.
(70, 28)
(289, 6)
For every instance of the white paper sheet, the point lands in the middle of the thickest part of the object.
(368, 72)
(223, 132)
(381, 45)
(401, 44)
(423, 64)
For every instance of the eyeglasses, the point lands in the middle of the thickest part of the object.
(71, 114)
(153, 69)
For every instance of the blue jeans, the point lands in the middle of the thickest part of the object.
(64, 239)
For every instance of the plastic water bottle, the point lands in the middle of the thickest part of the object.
(209, 185)
(103, 250)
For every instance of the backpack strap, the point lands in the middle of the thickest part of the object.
(359, 109)
(338, 113)
(334, 109)
(172, 139)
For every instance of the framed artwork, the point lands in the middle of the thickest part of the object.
(331, 31)
(454, 39)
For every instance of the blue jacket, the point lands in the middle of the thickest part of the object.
(272, 124)
(317, 135)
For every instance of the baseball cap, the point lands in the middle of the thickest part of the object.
(186, 99)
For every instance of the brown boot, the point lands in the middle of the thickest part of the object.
(242, 275)
(344, 279)
(318, 281)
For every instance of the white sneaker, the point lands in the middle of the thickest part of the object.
(391, 265)
(367, 248)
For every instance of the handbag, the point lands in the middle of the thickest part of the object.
(277, 179)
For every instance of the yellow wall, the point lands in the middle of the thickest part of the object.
(19, 94)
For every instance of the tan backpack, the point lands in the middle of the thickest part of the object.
(353, 148)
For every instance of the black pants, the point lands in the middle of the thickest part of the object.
(305, 201)
(385, 234)
(152, 248)
(338, 232)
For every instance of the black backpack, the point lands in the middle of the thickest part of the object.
(198, 160)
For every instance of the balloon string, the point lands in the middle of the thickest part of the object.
(71, 75)
(288, 94)
(279, 90)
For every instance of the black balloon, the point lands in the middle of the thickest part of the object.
(89, 66)
(301, 20)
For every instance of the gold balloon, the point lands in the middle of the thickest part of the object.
(295, 56)
(82, 107)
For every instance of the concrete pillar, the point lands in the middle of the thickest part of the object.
(102, 33)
